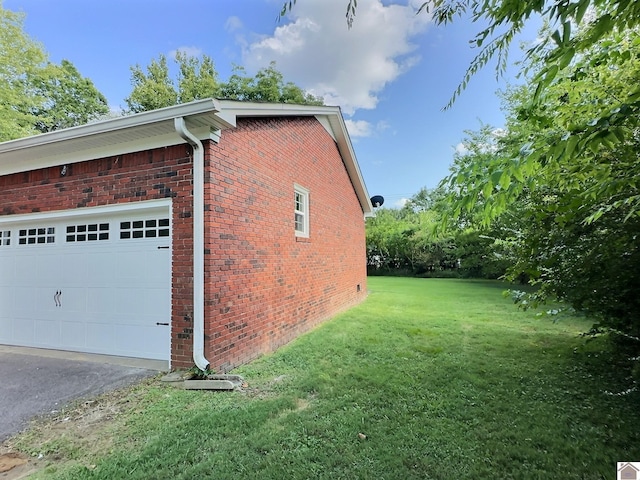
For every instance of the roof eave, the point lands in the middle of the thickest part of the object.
(113, 124)
(155, 129)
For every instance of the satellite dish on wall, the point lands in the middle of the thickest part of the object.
(377, 200)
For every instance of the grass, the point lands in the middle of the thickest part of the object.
(428, 379)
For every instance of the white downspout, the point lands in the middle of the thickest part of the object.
(198, 242)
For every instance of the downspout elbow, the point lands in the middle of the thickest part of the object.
(198, 242)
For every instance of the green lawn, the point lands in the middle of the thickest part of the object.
(429, 378)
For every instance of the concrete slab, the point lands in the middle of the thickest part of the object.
(34, 382)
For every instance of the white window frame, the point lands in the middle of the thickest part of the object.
(303, 212)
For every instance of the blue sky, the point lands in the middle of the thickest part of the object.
(392, 73)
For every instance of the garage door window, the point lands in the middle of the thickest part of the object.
(33, 236)
(5, 238)
(88, 232)
(144, 228)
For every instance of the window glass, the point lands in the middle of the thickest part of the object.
(301, 211)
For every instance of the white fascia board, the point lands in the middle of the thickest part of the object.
(257, 109)
(343, 141)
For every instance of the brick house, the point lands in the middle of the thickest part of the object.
(209, 232)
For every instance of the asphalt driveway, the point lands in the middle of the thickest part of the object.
(34, 382)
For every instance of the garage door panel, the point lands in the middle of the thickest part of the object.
(100, 292)
(99, 335)
(73, 270)
(100, 302)
(142, 337)
(47, 332)
(72, 301)
(26, 268)
(26, 300)
(101, 268)
(49, 267)
(73, 335)
(155, 267)
(156, 302)
(129, 303)
(6, 326)
(132, 267)
(39, 300)
(7, 270)
(6, 301)
(23, 331)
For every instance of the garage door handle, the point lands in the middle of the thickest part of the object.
(159, 323)
(56, 298)
(162, 248)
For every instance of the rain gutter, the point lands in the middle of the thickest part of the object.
(198, 242)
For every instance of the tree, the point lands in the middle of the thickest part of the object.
(198, 78)
(67, 98)
(35, 94)
(408, 241)
(505, 19)
(152, 90)
(267, 86)
(19, 56)
(567, 182)
(576, 29)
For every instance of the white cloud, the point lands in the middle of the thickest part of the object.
(188, 51)
(461, 149)
(362, 128)
(358, 128)
(233, 24)
(400, 203)
(347, 67)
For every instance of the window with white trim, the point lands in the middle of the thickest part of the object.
(301, 211)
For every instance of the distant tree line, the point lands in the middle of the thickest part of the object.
(412, 241)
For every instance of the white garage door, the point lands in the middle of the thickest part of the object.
(98, 283)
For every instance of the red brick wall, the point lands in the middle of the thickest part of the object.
(264, 286)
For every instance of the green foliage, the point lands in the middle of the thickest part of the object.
(575, 28)
(35, 94)
(198, 79)
(563, 177)
(154, 89)
(197, 373)
(408, 242)
(19, 56)
(267, 86)
(68, 99)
